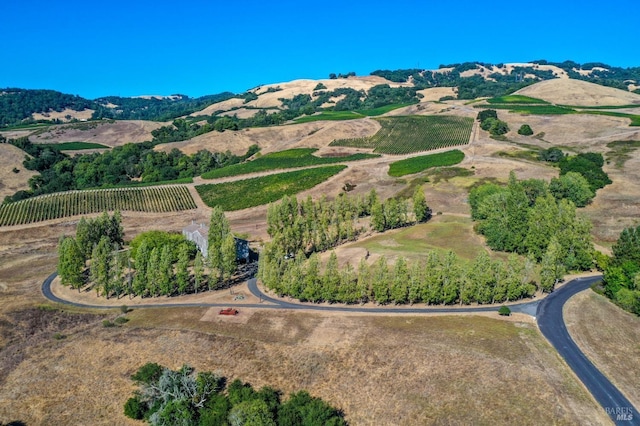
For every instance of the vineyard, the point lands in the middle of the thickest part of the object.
(242, 194)
(404, 135)
(424, 162)
(72, 203)
(290, 158)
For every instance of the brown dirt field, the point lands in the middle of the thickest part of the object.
(577, 92)
(106, 133)
(610, 337)
(10, 182)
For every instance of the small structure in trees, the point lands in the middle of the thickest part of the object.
(199, 234)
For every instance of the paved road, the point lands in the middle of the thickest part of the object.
(552, 326)
(547, 311)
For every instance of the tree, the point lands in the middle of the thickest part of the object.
(331, 279)
(142, 275)
(198, 271)
(572, 186)
(182, 269)
(165, 272)
(253, 412)
(525, 130)
(70, 263)
(380, 281)
(378, 222)
(218, 231)
(420, 207)
(228, 251)
(100, 270)
(400, 283)
(552, 269)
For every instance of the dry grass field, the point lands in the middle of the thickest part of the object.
(10, 182)
(579, 93)
(106, 133)
(610, 337)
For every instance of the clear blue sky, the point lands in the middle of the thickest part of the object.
(139, 47)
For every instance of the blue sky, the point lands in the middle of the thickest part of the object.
(142, 47)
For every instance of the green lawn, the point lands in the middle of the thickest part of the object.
(247, 193)
(297, 157)
(418, 164)
(442, 233)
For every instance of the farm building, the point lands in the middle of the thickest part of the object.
(199, 234)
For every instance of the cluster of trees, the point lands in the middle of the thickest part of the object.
(154, 109)
(311, 226)
(18, 105)
(489, 121)
(438, 279)
(498, 84)
(182, 397)
(525, 217)
(622, 271)
(589, 165)
(157, 263)
(119, 166)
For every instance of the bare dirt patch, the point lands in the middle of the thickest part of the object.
(609, 337)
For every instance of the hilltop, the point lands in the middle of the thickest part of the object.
(348, 92)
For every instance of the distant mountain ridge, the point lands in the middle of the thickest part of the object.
(470, 80)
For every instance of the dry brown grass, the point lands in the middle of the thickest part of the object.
(610, 337)
(465, 370)
(566, 91)
(62, 115)
(105, 133)
(10, 182)
(310, 135)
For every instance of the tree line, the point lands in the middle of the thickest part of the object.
(182, 397)
(622, 271)
(121, 165)
(314, 226)
(155, 263)
(437, 279)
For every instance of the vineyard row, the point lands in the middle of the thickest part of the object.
(159, 199)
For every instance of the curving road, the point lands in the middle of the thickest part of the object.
(547, 311)
(552, 326)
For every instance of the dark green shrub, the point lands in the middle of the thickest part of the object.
(108, 323)
(121, 320)
(525, 130)
(134, 408)
(504, 311)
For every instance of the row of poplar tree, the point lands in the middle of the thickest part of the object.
(155, 264)
(437, 279)
(314, 226)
